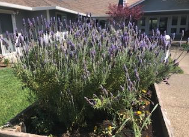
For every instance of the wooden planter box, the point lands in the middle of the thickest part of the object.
(159, 121)
(3, 65)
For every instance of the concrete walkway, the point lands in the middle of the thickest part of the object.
(174, 99)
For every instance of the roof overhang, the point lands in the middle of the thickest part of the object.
(157, 11)
(101, 16)
(136, 3)
(21, 7)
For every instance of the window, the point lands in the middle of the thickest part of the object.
(163, 24)
(61, 17)
(102, 23)
(153, 23)
(181, 29)
(174, 20)
(124, 3)
(183, 20)
(5, 23)
(173, 30)
(142, 30)
(142, 22)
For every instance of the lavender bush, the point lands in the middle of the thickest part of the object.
(69, 65)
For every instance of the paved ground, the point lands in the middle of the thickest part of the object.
(174, 99)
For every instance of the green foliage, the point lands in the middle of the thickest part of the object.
(41, 123)
(6, 62)
(185, 46)
(1, 58)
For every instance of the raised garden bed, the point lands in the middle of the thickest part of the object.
(156, 129)
(2, 65)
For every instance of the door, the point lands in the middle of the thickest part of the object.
(163, 24)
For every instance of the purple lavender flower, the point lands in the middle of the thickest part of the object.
(129, 88)
(104, 90)
(34, 23)
(93, 53)
(42, 20)
(158, 32)
(7, 35)
(24, 22)
(92, 103)
(143, 44)
(38, 21)
(72, 46)
(137, 74)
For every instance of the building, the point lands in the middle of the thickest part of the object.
(12, 13)
(171, 16)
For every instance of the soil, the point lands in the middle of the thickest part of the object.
(154, 130)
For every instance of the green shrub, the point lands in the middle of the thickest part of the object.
(107, 67)
(185, 46)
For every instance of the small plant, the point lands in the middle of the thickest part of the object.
(185, 46)
(6, 62)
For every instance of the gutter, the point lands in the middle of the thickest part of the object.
(10, 5)
(154, 11)
(100, 16)
(16, 6)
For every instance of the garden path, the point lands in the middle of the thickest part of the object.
(174, 99)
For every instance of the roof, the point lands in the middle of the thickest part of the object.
(150, 6)
(95, 7)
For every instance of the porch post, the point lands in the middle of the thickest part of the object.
(48, 15)
(13, 22)
(147, 25)
(1, 44)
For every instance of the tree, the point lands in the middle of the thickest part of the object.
(124, 13)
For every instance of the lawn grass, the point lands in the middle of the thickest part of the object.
(13, 99)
